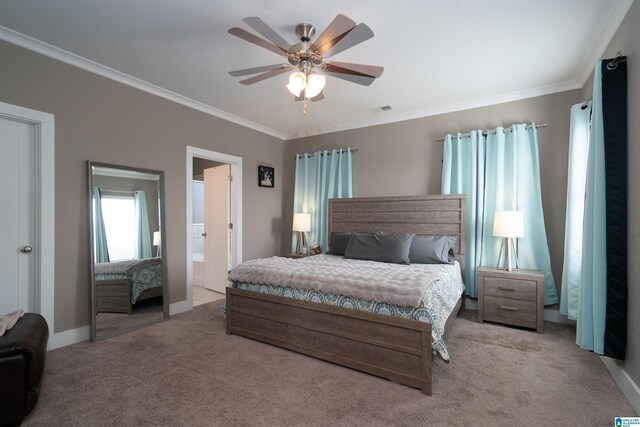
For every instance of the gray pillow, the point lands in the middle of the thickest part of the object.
(339, 242)
(379, 246)
(432, 250)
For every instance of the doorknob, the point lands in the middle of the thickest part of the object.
(26, 249)
(204, 234)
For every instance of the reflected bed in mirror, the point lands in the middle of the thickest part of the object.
(128, 269)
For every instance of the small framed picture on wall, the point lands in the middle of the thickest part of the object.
(265, 176)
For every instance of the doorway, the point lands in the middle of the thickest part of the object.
(27, 164)
(214, 228)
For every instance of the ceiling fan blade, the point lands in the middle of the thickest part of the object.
(255, 70)
(318, 97)
(264, 76)
(355, 69)
(353, 78)
(340, 25)
(251, 38)
(356, 36)
(261, 27)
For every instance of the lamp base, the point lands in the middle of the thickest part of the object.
(507, 255)
(301, 243)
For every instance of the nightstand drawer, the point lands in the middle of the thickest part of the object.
(510, 288)
(511, 311)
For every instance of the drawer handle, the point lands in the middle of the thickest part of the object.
(506, 289)
(505, 307)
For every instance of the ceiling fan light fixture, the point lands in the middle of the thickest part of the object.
(297, 82)
(315, 84)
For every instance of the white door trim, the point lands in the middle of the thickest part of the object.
(236, 163)
(45, 204)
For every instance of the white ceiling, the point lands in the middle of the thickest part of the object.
(439, 55)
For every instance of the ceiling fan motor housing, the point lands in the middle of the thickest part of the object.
(305, 32)
(299, 54)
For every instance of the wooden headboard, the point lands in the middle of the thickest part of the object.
(437, 215)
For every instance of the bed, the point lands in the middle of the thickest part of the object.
(396, 348)
(121, 284)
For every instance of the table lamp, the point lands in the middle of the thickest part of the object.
(301, 224)
(508, 225)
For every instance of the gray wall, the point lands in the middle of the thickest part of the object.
(627, 40)
(105, 121)
(404, 158)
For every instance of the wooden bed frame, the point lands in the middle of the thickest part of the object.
(389, 347)
(114, 296)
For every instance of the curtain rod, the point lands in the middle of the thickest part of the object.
(509, 129)
(355, 150)
(611, 65)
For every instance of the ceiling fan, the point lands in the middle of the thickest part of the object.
(308, 59)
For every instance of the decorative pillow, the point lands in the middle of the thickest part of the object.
(379, 246)
(432, 250)
(339, 242)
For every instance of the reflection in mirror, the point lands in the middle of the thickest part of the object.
(128, 270)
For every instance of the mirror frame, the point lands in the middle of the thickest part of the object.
(165, 285)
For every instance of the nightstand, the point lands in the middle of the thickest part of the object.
(511, 297)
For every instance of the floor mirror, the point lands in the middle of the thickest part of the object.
(127, 244)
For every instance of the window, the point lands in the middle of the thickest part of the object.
(120, 227)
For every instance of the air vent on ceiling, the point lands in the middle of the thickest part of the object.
(381, 109)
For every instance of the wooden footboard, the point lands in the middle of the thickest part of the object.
(388, 347)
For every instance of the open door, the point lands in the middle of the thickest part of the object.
(217, 196)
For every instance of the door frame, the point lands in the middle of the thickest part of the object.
(236, 170)
(45, 205)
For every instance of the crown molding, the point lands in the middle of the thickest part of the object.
(612, 22)
(67, 57)
(447, 108)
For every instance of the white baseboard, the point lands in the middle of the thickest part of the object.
(83, 333)
(625, 383)
(180, 307)
(72, 336)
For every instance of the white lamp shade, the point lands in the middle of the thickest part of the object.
(301, 222)
(297, 82)
(156, 238)
(315, 84)
(508, 224)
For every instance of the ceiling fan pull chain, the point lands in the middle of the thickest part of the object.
(305, 106)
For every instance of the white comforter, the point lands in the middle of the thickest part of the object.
(391, 283)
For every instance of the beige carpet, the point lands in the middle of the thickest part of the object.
(187, 372)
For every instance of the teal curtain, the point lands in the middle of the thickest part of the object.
(99, 235)
(463, 172)
(498, 171)
(593, 293)
(143, 237)
(576, 190)
(512, 182)
(319, 177)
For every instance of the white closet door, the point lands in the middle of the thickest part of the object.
(216, 227)
(17, 216)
